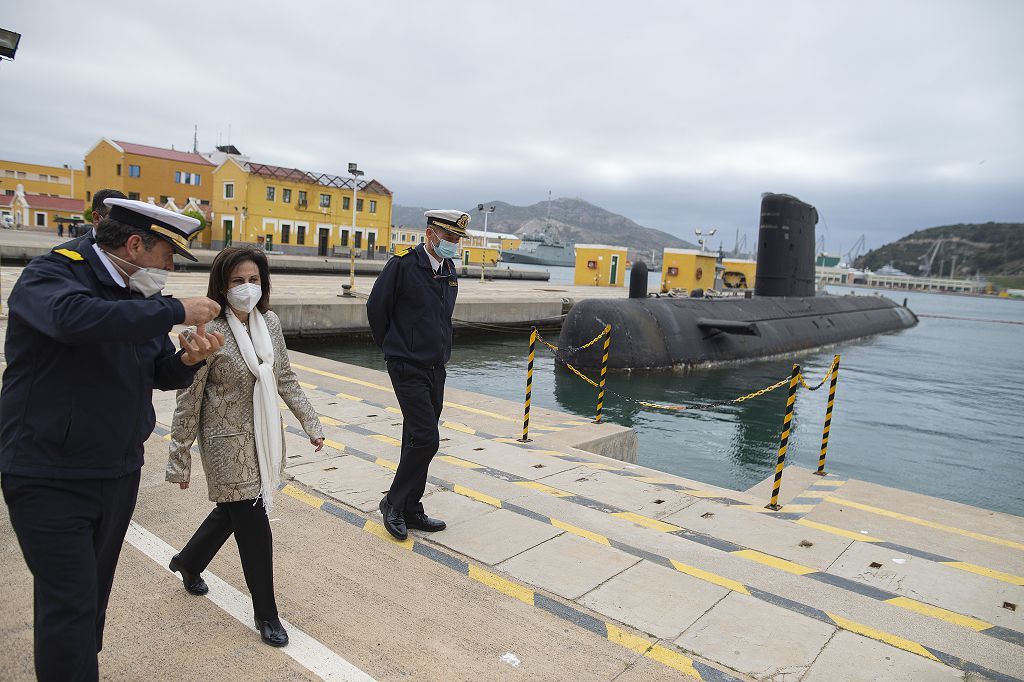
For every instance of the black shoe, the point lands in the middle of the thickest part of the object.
(393, 520)
(272, 632)
(193, 582)
(421, 521)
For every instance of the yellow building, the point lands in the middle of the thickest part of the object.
(495, 240)
(405, 237)
(472, 255)
(299, 212)
(739, 273)
(148, 173)
(36, 211)
(600, 265)
(687, 269)
(40, 180)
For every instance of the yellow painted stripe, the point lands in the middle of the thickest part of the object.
(508, 587)
(340, 377)
(632, 642)
(673, 659)
(827, 482)
(816, 493)
(302, 496)
(310, 387)
(601, 466)
(892, 640)
(456, 426)
(330, 421)
(646, 521)
(459, 462)
(393, 410)
(478, 496)
(386, 439)
(785, 509)
(466, 408)
(374, 528)
(334, 444)
(841, 532)
(538, 427)
(774, 562)
(576, 530)
(167, 437)
(926, 523)
(387, 463)
(987, 572)
(349, 396)
(707, 576)
(575, 423)
(540, 487)
(942, 614)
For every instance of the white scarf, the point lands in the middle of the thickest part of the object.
(258, 353)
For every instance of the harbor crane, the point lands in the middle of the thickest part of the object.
(855, 251)
(928, 259)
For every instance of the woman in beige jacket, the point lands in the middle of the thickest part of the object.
(232, 408)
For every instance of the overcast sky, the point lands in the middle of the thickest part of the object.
(888, 116)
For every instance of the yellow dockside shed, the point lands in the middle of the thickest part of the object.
(600, 265)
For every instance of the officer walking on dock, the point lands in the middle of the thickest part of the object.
(410, 313)
(87, 342)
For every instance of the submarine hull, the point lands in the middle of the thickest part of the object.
(666, 332)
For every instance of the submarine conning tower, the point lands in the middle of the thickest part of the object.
(785, 247)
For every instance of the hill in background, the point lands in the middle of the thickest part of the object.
(572, 220)
(988, 249)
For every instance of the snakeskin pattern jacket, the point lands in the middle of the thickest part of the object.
(217, 410)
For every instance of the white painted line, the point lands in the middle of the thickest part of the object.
(309, 652)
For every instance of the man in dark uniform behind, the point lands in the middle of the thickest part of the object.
(410, 313)
(87, 342)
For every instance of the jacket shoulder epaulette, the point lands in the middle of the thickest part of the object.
(403, 252)
(70, 255)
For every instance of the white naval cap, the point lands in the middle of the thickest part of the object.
(176, 228)
(448, 220)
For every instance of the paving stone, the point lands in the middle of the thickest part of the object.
(351, 480)
(494, 537)
(654, 599)
(758, 639)
(509, 458)
(568, 565)
(453, 508)
(620, 492)
(852, 658)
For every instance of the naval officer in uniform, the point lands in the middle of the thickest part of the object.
(87, 342)
(410, 313)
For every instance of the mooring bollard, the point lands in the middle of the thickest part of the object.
(604, 371)
(794, 381)
(529, 387)
(828, 416)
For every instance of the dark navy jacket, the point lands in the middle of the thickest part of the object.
(410, 310)
(83, 358)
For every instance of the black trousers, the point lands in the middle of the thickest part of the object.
(70, 532)
(251, 528)
(420, 393)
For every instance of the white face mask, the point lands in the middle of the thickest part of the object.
(147, 281)
(244, 297)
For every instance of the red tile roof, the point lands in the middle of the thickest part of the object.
(161, 153)
(39, 201)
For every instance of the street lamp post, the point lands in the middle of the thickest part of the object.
(700, 237)
(483, 255)
(351, 288)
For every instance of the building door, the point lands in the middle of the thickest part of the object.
(371, 239)
(269, 242)
(465, 256)
(344, 237)
(615, 270)
(359, 240)
(324, 241)
(229, 226)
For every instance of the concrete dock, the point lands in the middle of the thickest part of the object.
(557, 563)
(563, 559)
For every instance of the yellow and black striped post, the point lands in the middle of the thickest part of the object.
(828, 416)
(794, 381)
(604, 371)
(529, 387)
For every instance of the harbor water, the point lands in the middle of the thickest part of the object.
(935, 409)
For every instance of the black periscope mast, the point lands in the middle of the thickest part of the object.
(782, 316)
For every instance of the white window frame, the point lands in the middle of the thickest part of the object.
(45, 218)
(225, 191)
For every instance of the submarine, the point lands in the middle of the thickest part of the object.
(783, 315)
